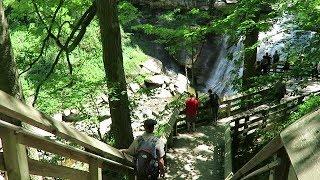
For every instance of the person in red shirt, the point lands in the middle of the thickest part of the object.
(192, 105)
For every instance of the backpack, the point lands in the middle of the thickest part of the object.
(146, 162)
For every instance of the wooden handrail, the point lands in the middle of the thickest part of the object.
(18, 110)
(265, 168)
(51, 170)
(33, 140)
(269, 109)
(236, 97)
(272, 147)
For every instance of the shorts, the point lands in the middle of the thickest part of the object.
(191, 119)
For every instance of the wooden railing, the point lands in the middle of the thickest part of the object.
(272, 158)
(254, 167)
(251, 120)
(231, 105)
(169, 129)
(14, 159)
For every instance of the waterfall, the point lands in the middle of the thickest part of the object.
(282, 35)
(224, 70)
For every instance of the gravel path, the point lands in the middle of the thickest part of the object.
(197, 155)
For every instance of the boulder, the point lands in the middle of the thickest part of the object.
(181, 83)
(155, 81)
(153, 65)
(147, 113)
(134, 87)
(163, 93)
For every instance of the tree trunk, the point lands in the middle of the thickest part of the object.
(250, 57)
(113, 63)
(14, 154)
(9, 77)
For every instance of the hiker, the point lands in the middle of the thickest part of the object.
(148, 152)
(279, 90)
(213, 104)
(314, 70)
(257, 67)
(276, 58)
(265, 63)
(286, 66)
(191, 111)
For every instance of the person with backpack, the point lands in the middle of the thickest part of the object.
(213, 104)
(148, 152)
(191, 111)
(265, 63)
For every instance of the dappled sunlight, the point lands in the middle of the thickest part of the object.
(197, 155)
(301, 141)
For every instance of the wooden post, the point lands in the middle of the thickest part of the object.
(265, 115)
(245, 130)
(175, 130)
(15, 156)
(272, 171)
(94, 170)
(229, 108)
(282, 170)
(235, 138)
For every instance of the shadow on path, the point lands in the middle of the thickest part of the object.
(197, 155)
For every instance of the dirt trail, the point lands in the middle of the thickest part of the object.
(197, 155)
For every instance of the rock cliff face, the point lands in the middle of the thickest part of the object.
(186, 4)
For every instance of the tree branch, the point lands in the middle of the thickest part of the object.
(83, 23)
(69, 63)
(44, 43)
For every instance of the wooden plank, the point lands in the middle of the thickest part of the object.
(30, 139)
(302, 143)
(50, 170)
(272, 147)
(282, 171)
(15, 156)
(263, 169)
(17, 110)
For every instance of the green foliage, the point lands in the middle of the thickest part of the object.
(178, 29)
(177, 103)
(128, 14)
(63, 90)
(307, 107)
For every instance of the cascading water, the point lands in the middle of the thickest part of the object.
(224, 70)
(283, 34)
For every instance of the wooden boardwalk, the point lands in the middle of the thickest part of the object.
(197, 155)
